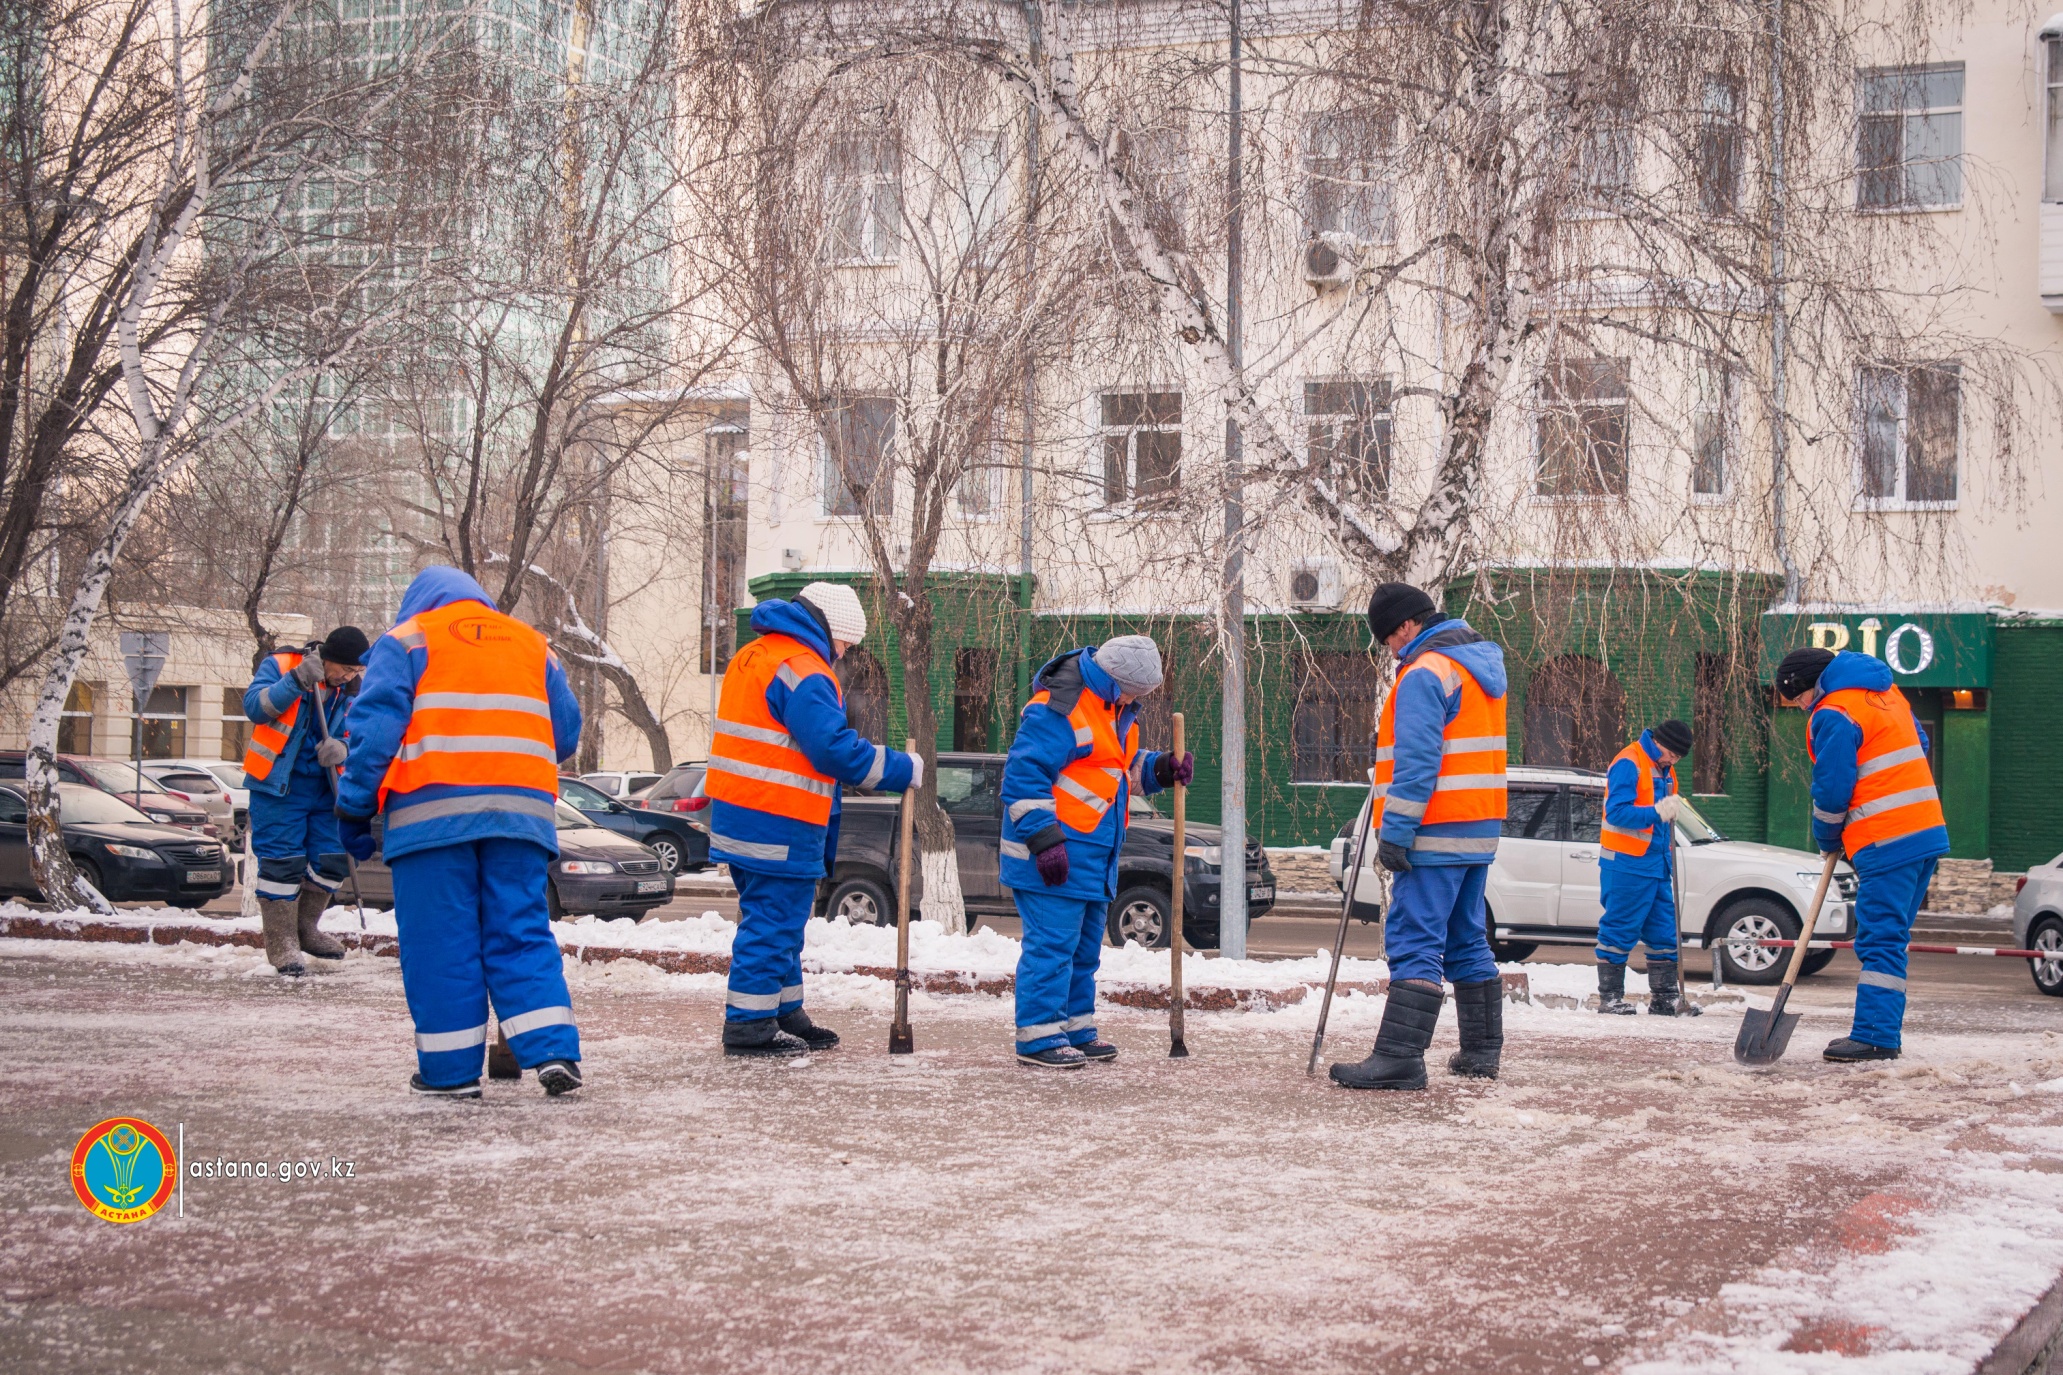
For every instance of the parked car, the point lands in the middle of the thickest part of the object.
(1543, 886)
(119, 778)
(679, 790)
(190, 780)
(861, 887)
(2038, 922)
(617, 784)
(681, 846)
(118, 849)
(597, 872)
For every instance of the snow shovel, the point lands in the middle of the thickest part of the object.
(1764, 1035)
(350, 864)
(899, 1040)
(1177, 1050)
(1339, 942)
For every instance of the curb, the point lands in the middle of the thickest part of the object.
(1201, 998)
(2033, 1345)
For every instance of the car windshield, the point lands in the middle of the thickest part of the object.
(1699, 830)
(78, 804)
(116, 777)
(567, 818)
(1141, 807)
(231, 775)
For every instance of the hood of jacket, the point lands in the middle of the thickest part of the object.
(440, 586)
(777, 617)
(1453, 638)
(1850, 670)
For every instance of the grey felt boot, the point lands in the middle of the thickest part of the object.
(313, 939)
(282, 946)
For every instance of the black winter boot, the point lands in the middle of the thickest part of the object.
(1479, 1008)
(1398, 1061)
(1611, 990)
(798, 1025)
(1848, 1050)
(762, 1037)
(1665, 994)
(558, 1076)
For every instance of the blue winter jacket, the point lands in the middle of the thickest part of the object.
(815, 720)
(272, 692)
(1423, 710)
(1621, 782)
(1045, 745)
(386, 700)
(1835, 739)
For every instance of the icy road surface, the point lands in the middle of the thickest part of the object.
(1624, 1198)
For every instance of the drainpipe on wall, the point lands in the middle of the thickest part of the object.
(1232, 612)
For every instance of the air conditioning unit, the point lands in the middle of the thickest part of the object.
(1330, 259)
(1314, 585)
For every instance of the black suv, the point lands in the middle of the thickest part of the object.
(682, 847)
(970, 790)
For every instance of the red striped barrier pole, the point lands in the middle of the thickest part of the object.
(1998, 950)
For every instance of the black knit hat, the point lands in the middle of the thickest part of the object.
(346, 645)
(1800, 671)
(1673, 736)
(1394, 603)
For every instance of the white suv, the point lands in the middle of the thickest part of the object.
(2038, 922)
(1543, 887)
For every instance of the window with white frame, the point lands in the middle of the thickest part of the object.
(1606, 149)
(1712, 433)
(1157, 163)
(2052, 120)
(1912, 424)
(1719, 146)
(983, 188)
(1142, 445)
(1347, 435)
(863, 200)
(1909, 138)
(858, 446)
(980, 491)
(1583, 424)
(1345, 187)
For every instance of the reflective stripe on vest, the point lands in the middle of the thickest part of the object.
(753, 760)
(269, 738)
(1084, 790)
(1470, 785)
(1894, 789)
(481, 716)
(1623, 840)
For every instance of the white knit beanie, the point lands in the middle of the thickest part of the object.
(1133, 663)
(841, 608)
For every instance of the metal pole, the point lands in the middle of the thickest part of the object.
(1779, 446)
(1232, 611)
(1024, 476)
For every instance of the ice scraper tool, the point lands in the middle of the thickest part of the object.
(1176, 1049)
(899, 1040)
(1339, 941)
(1764, 1035)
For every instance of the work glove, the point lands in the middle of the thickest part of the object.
(1052, 865)
(916, 773)
(1393, 857)
(1168, 770)
(1667, 807)
(355, 832)
(1832, 847)
(332, 752)
(309, 671)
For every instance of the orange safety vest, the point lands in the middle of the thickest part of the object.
(1621, 840)
(1470, 786)
(753, 761)
(268, 738)
(1894, 789)
(1084, 791)
(482, 715)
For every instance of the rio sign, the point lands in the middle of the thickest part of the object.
(1922, 649)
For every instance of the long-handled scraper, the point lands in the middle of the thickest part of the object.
(1764, 1035)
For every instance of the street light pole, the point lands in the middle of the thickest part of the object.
(1232, 610)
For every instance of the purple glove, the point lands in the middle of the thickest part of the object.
(1052, 865)
(1168, 770)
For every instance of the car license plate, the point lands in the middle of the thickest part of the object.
(1260, 892)
(204, 876)
(651, 885)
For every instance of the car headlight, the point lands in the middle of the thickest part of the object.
(586, 866)
(1203, 859)
(161, 818)
(132, 852)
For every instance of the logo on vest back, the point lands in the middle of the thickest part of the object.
(481, 630)
(124, 1169)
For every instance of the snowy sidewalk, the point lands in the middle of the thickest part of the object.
(1624, 1197)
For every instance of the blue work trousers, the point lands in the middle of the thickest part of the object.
(1056, 969)
(1639, 909)
(1886, 902)
(475, 923)
(766, 954)
(294, 838)
(1435, 927)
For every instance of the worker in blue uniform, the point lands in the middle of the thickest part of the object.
(1634, 872)
(460, 724)
(293, 805)
(1066, 789)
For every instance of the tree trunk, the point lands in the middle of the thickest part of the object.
(944, 902)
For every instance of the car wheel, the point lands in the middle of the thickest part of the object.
(1816, 960)
(860, 902)
(1758, 919)
(2048, 974)
(552, 903)
(1506, 952)
(1142, 915)
(668, 847)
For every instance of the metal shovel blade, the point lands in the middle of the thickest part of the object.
(1765, 1035)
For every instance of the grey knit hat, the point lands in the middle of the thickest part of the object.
(1132, 661)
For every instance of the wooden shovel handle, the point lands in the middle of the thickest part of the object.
(1175, 892)
(1819, 896)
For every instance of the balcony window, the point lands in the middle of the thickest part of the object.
(863, 200)
(2052, 120)
(1909, 138)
